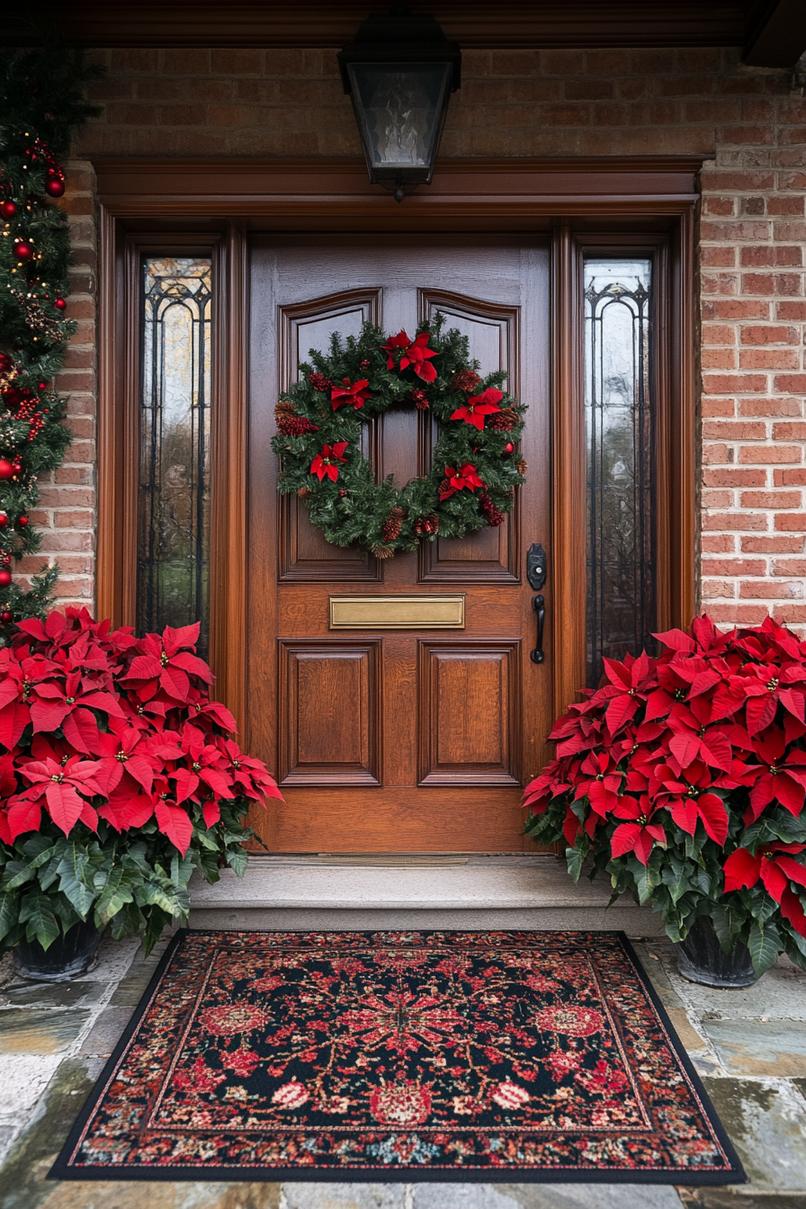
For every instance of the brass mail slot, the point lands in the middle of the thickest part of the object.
(397, 612)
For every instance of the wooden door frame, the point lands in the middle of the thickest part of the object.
(214, 206)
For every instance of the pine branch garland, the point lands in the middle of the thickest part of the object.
(41, 103)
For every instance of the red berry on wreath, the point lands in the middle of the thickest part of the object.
(5, 577)
(6, 469)
(23, 521)
(8, 209)
(509, 447)
(42, 386)
(55, 186)
(6, 616)
(3, 519)
(23, 250)
(59, 303)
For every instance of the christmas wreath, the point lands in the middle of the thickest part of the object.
(475, 465)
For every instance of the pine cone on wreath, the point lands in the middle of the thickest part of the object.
(303, 492)
(493, 514)
(383, 551)
(318, 381)
(504, 420)
(467, 380)
(427, 526)
(420, 399)
(393, 524)
(521, 466)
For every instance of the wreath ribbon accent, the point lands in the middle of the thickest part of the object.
(476, 465)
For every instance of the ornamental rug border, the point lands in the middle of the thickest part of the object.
(565, 1064)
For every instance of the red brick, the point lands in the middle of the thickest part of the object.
(736, 431)
(790, 614)
(718, 333)
(785, 205)
(735, 232)
(768, 334)
(718, 543)
(769, 358)
(770, 407)
(734, 566)
(789, 431)
(717, 406)
(736, 308)
(717, 256)
(790, 478)
(764, 590)
(734, 477)
(772, 545)
(789, 566)
(791, 522)
(771, 256)
(796, 383)
(731, 614)
(736, 384)
(739, 521)
(787, 309)
(771, 499)
(769, 454)
(720, 358)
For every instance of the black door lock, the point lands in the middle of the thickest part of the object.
(536, 566)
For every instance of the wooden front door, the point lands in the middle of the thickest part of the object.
(411, 740)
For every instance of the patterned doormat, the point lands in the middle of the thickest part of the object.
(512, 1056)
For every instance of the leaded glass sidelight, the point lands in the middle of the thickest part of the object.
(620, 428)
(174, 479)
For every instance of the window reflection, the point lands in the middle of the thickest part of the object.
(174, 493)
(620, 456)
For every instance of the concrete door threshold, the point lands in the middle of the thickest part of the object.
(328, 892)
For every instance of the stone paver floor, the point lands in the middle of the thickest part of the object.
(749, 1046)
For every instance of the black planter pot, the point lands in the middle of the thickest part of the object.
(68, 956)
(700, 958)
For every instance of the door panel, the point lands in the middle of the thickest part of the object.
(410, 740)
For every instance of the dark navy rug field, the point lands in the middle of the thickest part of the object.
(510, 1056)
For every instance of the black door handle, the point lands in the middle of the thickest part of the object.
(539, 606)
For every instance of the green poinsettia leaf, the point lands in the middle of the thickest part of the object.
(764, 946)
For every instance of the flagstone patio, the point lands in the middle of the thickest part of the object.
(749, 1046)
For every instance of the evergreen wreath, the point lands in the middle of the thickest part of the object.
(476, 465)
(41, 103)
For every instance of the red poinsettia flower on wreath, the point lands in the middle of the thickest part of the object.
(414, 353)
(326, 463)
(775, 867)
(466, 478)
(475, 410)
(352, 394)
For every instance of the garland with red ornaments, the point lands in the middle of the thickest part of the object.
(41, 102)
(474, 427)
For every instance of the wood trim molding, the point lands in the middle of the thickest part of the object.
(293, 196)
(321, 23)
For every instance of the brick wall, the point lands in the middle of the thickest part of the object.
(746, 123)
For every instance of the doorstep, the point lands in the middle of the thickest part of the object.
(327, 892)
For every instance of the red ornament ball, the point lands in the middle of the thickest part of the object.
(509, 447)
(5, 577)
(5, 362)
(16, 466)
(6, 616)
(23, 521)
(59, 303)
(23, 250)
(6, 469)
(3, 519)
(8, 208)
(55, 186)
(42, 386)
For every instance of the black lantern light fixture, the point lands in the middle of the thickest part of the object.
(400, 72)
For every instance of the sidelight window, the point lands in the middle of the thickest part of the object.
(173, 537)
(621, 440)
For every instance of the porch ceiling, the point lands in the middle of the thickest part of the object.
(771, 32)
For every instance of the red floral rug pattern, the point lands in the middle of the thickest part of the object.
(452, 1055)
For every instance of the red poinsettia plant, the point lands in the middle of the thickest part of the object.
(119, 778)
(683, 776)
